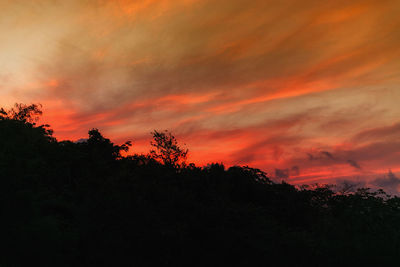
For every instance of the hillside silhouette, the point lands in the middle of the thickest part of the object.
(67, 203)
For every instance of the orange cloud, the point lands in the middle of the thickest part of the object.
(260, 83)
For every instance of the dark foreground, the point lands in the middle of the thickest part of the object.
(83, 204)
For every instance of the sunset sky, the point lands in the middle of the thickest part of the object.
(306, 90)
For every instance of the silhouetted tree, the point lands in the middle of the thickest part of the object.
(167, 150)
(100, 145)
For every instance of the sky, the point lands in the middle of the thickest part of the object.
(306, 90)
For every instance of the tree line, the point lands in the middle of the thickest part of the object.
(65, 203)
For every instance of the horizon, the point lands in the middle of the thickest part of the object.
(305, 91)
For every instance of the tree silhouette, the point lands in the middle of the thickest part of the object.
(99, 144)
(22, 112)
(167, 150)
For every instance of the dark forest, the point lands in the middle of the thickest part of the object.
(83, 203)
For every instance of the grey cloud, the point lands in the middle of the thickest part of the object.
(354, 163)
(389, 183)
(282, 173)
(327, 154)
(295, 171)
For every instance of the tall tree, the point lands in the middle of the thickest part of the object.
(167, 150)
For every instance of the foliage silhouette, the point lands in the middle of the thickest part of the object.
(22, 112)
(167, 150)
(66, 203)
